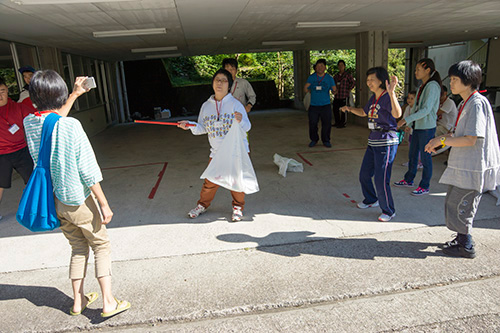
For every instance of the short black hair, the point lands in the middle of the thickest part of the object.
(227, 74)
(380, 73)
(321, 61)
(444, 89)
(2, 81)
(230, 61)
(468, 72)
(48, 91)
(341, 61)
(413, 92)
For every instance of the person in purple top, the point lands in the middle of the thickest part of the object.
(382, 110)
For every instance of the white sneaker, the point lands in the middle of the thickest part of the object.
(237, 214)
(363, 205)
(405, 164)
(195, 212)
(385, 217)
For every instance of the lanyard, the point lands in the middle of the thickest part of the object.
(461, 109)
(218, 108)
(235, 85)
(7, 114)
(420, 92)
(317, 78)
(39, 113)
(374, 107)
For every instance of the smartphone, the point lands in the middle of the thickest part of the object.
(89, 83)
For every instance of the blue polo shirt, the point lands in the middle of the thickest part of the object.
(320, 96)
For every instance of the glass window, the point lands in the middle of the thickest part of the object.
(7, 70)
(27, 56)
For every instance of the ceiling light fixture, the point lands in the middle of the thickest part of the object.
(265, 50)
(329, 24)
(157, 56)
(60, 2)
(154, 49)
(284, 42)
(404, 43)
(133, 32)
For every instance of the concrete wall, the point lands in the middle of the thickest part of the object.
(446, 55)
(93, 120)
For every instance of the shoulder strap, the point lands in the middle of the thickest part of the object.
(46, 140)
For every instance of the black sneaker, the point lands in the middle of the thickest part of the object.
(453, 242)
(312, 143)
(458, 250)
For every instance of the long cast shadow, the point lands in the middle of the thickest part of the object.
(352, 248)
(49, 297)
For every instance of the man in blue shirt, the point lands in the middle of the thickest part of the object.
(319, 85)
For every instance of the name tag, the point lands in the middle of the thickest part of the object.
(13, 129)
(319, 88)
(371, 125)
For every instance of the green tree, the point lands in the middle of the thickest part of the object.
(276, 66)
(397, 66)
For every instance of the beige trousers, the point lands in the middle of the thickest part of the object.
(81, 225)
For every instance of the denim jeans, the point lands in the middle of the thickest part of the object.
(377, 164)
(418, 141)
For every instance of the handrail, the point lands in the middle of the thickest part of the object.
(470, 56)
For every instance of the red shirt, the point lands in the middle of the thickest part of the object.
(10, 114)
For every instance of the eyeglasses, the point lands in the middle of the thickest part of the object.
(220, 81)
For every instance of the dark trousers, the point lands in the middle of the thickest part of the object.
(340, 117)
(419, 139)
(377, 164)
(316, 113)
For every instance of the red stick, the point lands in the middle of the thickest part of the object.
(159, 123)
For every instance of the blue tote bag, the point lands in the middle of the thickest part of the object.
(37, 210)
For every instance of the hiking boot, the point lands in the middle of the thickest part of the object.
(362, 205)
(403, 183)
(385, 217)
(237, 214)
(195, 212)
(458, 250)
(420, 191)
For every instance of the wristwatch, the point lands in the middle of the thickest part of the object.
(443, 139)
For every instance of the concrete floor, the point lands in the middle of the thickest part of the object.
(317, 205)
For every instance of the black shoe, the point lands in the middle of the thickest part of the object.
(451, 243)
(312, 143)
(458, 250)
(327, 144)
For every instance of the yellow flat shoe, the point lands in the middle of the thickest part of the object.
(120, 307)
(91, 297)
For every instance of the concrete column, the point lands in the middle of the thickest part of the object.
(301, 71)
(371, 51)
(413, 56)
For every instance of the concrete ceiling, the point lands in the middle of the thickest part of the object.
(227, 26)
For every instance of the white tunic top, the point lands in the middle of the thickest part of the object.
(476, 167)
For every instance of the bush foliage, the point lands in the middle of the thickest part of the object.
(277, 66)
